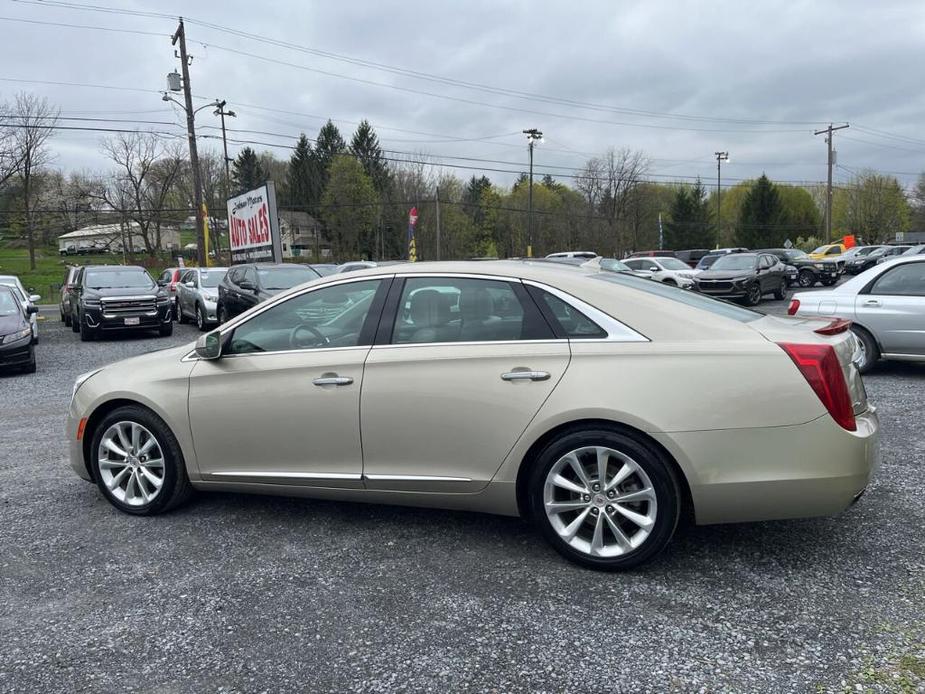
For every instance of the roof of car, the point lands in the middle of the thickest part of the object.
(112, 268)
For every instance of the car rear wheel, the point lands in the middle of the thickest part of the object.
(137, 462)
(806, 278)
(201, 318)
(222, 314)
(753, 295)
(869, 352)
(603, 499)
(181, 317)
(66, 318)
(781, 292)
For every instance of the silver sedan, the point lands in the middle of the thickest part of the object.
(886, 305)
(197, 294)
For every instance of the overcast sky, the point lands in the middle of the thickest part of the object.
(678, 80)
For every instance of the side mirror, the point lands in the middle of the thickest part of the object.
(35, 298)
(209, 346)
(189, 283)
(31, 308)
(162, 283)
(248, 285)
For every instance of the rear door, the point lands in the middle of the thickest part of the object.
(893, 307)
(459, 369)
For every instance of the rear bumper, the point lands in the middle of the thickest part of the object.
(813, 469)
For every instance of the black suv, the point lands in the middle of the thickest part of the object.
(105, 298)
(245, 286)
(746, 276)
(809, 271)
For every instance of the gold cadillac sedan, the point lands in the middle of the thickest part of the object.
(602, 406)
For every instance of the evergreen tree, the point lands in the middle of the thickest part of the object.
(759, 224)
(299, 176)
(246, 171)
(691, 223)
(472, 196)
(348, 207)
(328, 147)
(365, 147)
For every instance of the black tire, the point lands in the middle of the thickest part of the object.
(871, 350)
(87, 334)
(201, 322)
(806, 278)
(75, 323)
(66, 319)
(828, 282)
(781, 292)
(222, 314)
(179, 314)
(175, 311)
(30, 367)
(647, 456)
(166, 329)
(176, 487)
(670, 282)
(753, 294)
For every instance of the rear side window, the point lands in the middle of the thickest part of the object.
(566, 320)
(904, 280)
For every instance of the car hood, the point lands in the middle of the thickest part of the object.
(138, 363)
(723, 274)
(12, 323)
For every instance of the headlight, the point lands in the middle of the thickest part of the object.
(82, 379)
(90, 303)
(18, 335)
(163, 299)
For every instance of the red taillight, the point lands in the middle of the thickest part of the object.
(839, 325)
(819, 366)
(794, 307)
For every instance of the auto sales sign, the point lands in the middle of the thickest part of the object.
(253, 226)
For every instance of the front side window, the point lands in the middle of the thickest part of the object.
(450, 309)
(905, 280)
(327, 317)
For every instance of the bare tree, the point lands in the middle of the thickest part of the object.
(623, 170)
(32, 122)
(147, 172)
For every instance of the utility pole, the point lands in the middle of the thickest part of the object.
(828, 188)
(720, 158)
(438, 222)
(202, 251)
(220, 111)
(533, 136)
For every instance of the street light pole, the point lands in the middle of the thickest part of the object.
(533, 136)
(720, 158)
(220, 111)
(202, 252)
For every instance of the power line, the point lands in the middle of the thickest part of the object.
(415, 74)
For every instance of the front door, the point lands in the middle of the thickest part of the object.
(282, 403)
(894, 309)
(467, 365)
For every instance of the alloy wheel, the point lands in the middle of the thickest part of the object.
(600, 501)
(131, 463)
(200, 319)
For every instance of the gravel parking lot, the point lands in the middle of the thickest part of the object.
(236, 593)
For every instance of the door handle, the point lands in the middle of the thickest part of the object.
(525, 375)
(332, 380)
(872, 302)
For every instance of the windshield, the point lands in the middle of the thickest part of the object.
(613, 265)
(119, 279)
(325, 270)
(794, 254)
(736, 262)
(684, 296)
(8, 304)
(212, 277)
(673, 264)
(915, 250)
(822, 250)
(284, 277)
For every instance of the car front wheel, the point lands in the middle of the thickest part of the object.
(603, 499)
(137, 462)
(806, 278)
(781, 292)
(753, 295)
(201, 322)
